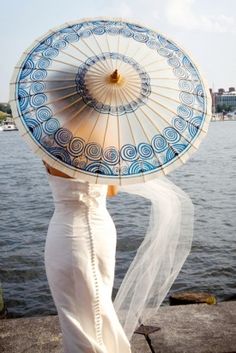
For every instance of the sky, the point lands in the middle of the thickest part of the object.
(204, 28)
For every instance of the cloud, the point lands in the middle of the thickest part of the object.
(122, 9)
(142, 11)
(181, 13)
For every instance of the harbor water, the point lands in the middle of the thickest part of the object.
(26, 207)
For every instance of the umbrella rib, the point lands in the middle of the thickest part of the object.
(140, 60)
(159, 131)
(74, 57)
(91, 110)
(53, 70)
(109, 51)
(73, 103)
(131, 131)
(100, 63)
(95, 124)
(133, 55)
(98, 85)
(56, 60)
(106, 94)
(156, 154)
(55, 113)
(162, 69)
(98, 91)
(61, 61)
(175, 79)
(82, 40)
(83, 62)
(104, 137)
(59, 88)
(50, 102)
(143, 59)
(189, 142)
(70, 105)
(125, 53)
(48, 91)
(118, 51)
(179, 90)
(136, 77)
(31, 81)
(166, 121)
(118, 133)
(94, 73)
(65, 108)
(50, 46)
(157, 70)
(174, 89)
(77, 48)
(174, 100)
(153, 62)
(161, 134)
(98, 45)
(171, 111)
(121, 62)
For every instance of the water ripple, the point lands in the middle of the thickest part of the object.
(26, 208)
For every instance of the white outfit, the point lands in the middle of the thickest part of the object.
(80, 261)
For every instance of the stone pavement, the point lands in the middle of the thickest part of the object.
(197, 328)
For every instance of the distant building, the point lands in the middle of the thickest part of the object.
(224, 99)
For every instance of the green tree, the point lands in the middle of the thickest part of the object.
(5, 107)
(223, 108)
(3, 116)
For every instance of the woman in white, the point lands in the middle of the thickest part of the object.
(80, 261)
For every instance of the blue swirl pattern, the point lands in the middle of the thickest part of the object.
(89, 156)
(128, 152)
(99, 168)
(82, 89)
(93, 151)
(27, 68)
(171, 135)
(111, 155)
(34, 128)
(145, 151)
(76, 146)
(61, 154)
(23, 98)
(140, 167)
(159, 143)
(51, 126)
(179, 123)
(43, 114)
(63, 137)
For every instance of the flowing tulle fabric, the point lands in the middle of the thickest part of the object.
(161, 255)
(80, 260)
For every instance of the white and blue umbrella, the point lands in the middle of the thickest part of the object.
(110, 101)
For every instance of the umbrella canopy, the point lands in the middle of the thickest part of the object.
(110, 101)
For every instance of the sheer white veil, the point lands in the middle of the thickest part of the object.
(160, 256)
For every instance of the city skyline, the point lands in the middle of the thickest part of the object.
(206, 30)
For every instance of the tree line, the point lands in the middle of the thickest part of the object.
(5, 110)
(223, 108)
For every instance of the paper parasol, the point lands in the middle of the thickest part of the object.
(110, 101)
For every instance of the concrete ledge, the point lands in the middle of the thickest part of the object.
(198, 328)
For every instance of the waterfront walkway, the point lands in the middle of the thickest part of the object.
(197, 328)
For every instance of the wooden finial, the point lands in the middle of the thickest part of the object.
(114, 78)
